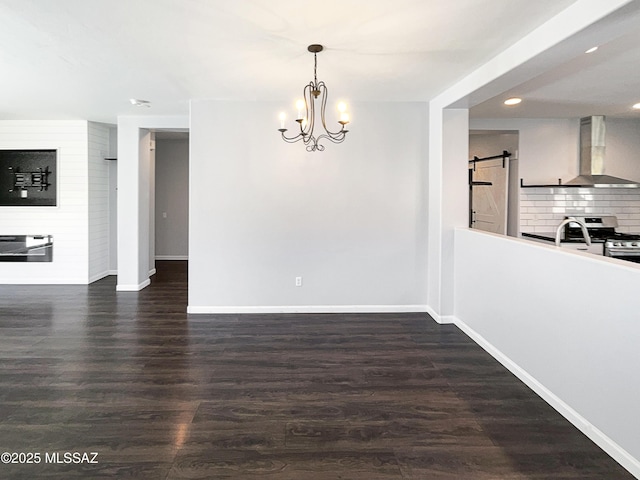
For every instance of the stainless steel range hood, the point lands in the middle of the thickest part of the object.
(592, 157)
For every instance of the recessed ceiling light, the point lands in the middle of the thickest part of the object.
(592, 49)
(140, 103)
(512, 101)
(636, 106)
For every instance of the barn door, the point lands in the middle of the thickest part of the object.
(489, 190)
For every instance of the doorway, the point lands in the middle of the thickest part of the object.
(171, 197)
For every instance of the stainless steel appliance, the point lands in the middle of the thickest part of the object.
(26, 248)
(593, 158)
(624, 246)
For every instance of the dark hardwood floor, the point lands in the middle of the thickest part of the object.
(159, 394)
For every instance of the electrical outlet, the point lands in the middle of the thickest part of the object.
(298, 281)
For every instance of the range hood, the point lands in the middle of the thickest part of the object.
(592, 157)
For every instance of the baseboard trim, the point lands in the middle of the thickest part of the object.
(132, 288)
(310, 309)
(113, 272)
(614, 450)
(447, 320)
(441, 319)
(172, 257)
(99, 276)
(152, 272)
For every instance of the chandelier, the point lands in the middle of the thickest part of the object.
(307, 113)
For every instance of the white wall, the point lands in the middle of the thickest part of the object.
(144, 206)
(623, 148)
(151, 214)
(68, 221)
(565, 323)
(349, 220)
(113, 201)
(172, 199)
(133, 199)
(113, 217)
(483, 144)
(98, 179)
(455, 202)
(548, 148)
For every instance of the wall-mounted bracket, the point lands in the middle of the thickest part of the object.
(23, 180)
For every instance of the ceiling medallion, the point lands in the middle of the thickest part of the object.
(306, 117)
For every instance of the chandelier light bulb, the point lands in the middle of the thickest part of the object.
(283, 117)
(342, 107)
(344, 118)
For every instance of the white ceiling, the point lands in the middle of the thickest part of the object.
(575, 84)
(84, 59)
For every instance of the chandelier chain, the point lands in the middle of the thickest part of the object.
(315, 69)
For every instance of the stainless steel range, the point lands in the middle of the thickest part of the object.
(624, 247)
(602, 229)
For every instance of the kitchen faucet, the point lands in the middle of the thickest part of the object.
(583, 227)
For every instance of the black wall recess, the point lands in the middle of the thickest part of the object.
(28, 177)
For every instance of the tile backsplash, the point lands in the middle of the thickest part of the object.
(543, 208)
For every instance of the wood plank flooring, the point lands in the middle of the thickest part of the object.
(159, 394)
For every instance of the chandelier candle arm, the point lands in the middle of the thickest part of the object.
(306, 122)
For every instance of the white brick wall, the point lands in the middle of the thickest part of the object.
(543, 208)
(68, 221)
(98, 138)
